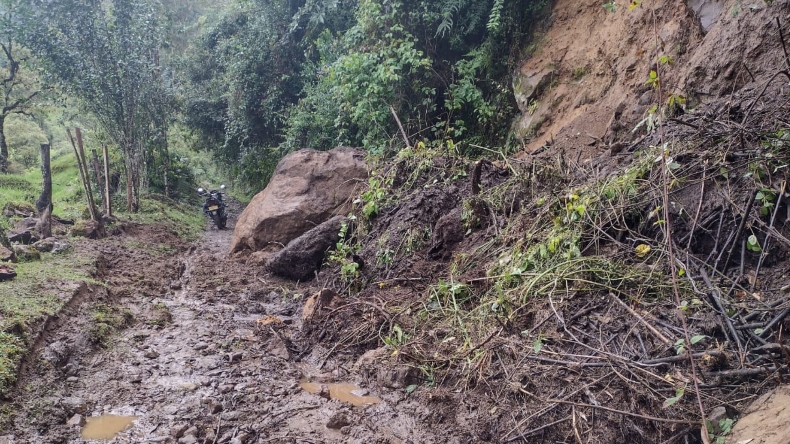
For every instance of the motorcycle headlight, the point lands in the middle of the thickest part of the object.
(201, 190)
(222, 187)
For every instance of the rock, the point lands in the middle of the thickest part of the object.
(26, 253)
(7, 255)
(529, 86)
(88, 228)
(151, 354)
(396, 377)
(191, 431)
(74, 405)
(178, 431)
(6, 273)
(51, 245)
(26, 237)
(215, 408)
(77, 421)
(314, 303)
(307, 188)
(188, 439)
(175, 285)
(337, 421)
(7, 439)
(303, 256)
(60, 247)
(447, 232)
(200, 346)
(45, 245)
(765, 421)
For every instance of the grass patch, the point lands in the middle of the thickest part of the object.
(186, 220)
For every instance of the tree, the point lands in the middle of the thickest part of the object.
(106, 53)
(18, 89)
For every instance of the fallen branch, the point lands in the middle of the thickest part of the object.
(652, 329)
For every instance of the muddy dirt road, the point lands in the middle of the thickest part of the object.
(199, 349)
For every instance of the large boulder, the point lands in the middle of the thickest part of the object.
(307, 188)
(302, 257)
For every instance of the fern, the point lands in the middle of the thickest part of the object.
(495, 18)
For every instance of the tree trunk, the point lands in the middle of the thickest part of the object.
(107, 202)
(44, 202)
(3, 147)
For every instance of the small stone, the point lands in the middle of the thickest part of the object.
(360, 392)
(225, 388)
(338, 421)
(188, 439)
(324, 392)
(200, 346)
(77, 420)
(189, 386)
(231, 416)
(346, 430)
(74, 405)
(192, 431)
(178, 431)
(175, 285)
(215, 408)
(136, 378)
(151, 354)
(72, 379)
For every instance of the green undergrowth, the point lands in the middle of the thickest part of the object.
(39, 290)
(564, 236)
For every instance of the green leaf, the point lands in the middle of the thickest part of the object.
(537, 346)
(752, 244)
(411, 388)
(695, 339)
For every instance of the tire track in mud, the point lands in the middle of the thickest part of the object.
(206, 360)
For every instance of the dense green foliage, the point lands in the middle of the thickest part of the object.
(273, 76)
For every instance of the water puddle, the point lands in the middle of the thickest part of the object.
(342, 392)
(105, 426)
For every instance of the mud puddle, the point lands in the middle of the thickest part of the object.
(106, 427)
(343, 392)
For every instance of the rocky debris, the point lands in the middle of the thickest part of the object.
(7, 255)
(26, 253)
(88, 228)
(76, 421)
(307, 188)
(338, 420)
(315, 302)
(52, 245)
(528, 86)
(6, 272)
(24, 231)
(74, 404)
(7, 439)
(303, 256)
(766, 421)
(395, 377)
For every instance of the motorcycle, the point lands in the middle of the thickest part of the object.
(215, 206)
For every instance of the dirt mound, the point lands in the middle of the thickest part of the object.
(307, 188)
